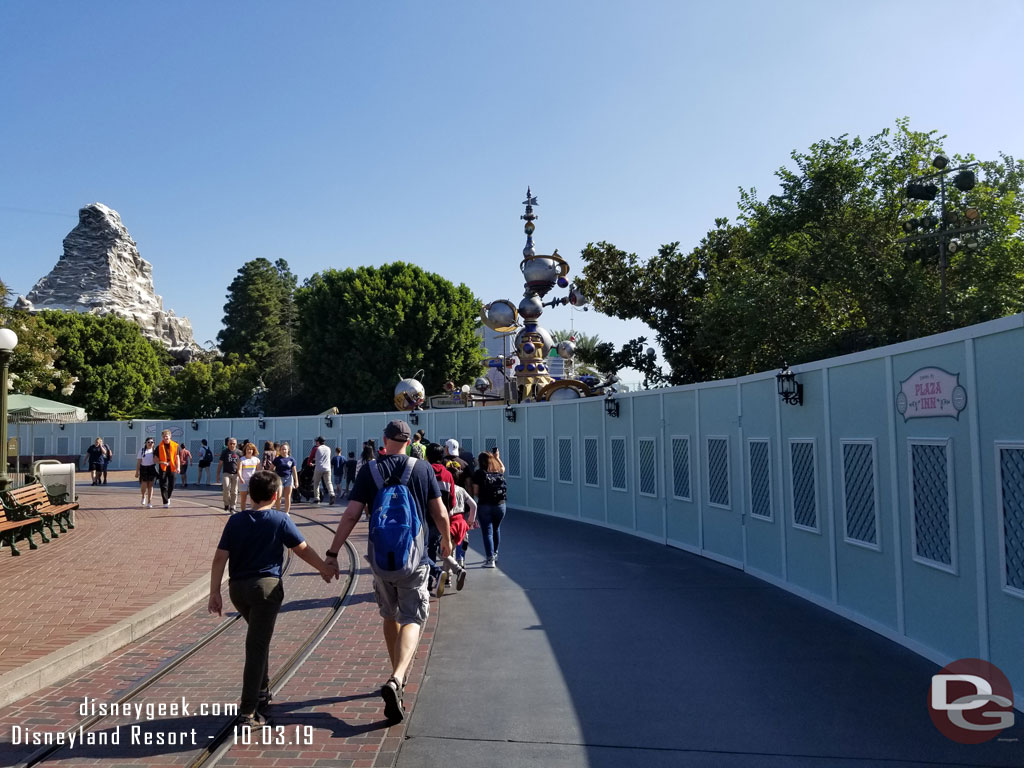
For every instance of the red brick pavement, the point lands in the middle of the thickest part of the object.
(119, 559)
(335, 694)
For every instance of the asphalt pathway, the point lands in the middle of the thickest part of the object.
(592, 648)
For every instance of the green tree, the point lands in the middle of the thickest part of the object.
(33, 367)
(587, 354)
(259, 324)
(118, 370)
(211, 388)
(361, 330)
(821, 268)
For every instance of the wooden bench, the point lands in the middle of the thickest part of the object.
(35, 500)
(16, 525)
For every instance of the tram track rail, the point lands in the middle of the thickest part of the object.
(221, 743)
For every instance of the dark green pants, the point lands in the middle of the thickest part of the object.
(258, 601)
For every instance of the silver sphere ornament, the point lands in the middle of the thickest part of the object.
(409, 395)
(531, 307)
(482, 384)
(566, 350)
(499, 315)
(540, 271)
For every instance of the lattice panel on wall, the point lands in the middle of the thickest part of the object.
(62, 446)
(39, 445)
(648, 462)
(84, 443)
(131, 445)
(591, 460)
(760, 480)
(930, 470)
(681, 467)
(618, 459)
(805, 507)
(196, 447)
(350, 447)
(859, 480)
(1011, 475)
(565, 459)
(490, 443)
(514, 464)
(718, 471)
(540, 458)
(466, 444)
(307, 447)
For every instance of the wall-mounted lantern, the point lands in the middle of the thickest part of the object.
(259, 420)
(414, 418)
(328, 422)
(195, 425)
(611, 406)
(510, 414)
(790, 390)
(131, 424)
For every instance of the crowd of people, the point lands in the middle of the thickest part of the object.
(421, 500)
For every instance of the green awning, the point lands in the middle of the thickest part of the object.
(26, 409)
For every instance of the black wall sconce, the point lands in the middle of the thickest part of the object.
(510, 414)
(328, 422)
(790, 390)
(131, 424)
(62, 426)
(195, 425)
(414, 418)
(611, 406)
(262, 422)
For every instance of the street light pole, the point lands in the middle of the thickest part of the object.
(8, 341)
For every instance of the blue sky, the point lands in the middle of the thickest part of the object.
(335, 134)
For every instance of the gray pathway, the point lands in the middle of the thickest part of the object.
(589, 647)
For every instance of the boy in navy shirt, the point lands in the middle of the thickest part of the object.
(252, 547)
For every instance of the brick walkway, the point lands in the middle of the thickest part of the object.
(330, 711)
(120, 559)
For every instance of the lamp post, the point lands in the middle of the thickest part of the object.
(8, 341)
(923, 188)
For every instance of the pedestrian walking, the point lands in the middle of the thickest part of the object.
(252, 548)
(94, 455)
(186, 460)
(269, 454)
(337, 473)
(322, 469)
(490, 491)
(145, 471)
(284, 466)
(402, 490)
(350, 471)
(247, 467)
(227, 467)
(168, 465)
(205, 460)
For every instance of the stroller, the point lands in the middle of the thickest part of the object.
(304, 490)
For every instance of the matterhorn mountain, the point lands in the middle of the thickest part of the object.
(101, 272)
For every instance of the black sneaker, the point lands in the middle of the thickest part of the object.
(460, 580)
(391, 692)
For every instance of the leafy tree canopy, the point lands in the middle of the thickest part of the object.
(259, 325)
(819, 269)
(118, 370)
(211, 388)
(361, 330)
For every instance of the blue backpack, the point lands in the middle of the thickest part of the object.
(397, 535)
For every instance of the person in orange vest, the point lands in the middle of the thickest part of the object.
(168, 465)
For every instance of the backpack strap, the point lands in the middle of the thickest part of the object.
(378, 477)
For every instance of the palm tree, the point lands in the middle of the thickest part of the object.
(586, 345)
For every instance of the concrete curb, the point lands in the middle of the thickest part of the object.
(42, 672)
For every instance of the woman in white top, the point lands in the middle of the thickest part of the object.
(145, 471)
(246, 468)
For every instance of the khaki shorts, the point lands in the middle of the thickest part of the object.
(404, 600)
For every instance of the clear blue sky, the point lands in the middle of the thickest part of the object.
(335, 134)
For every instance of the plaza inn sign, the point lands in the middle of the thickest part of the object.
(931, 392)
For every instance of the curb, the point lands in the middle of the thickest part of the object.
(44, 671)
